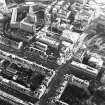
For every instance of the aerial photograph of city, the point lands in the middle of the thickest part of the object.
(52, 52)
